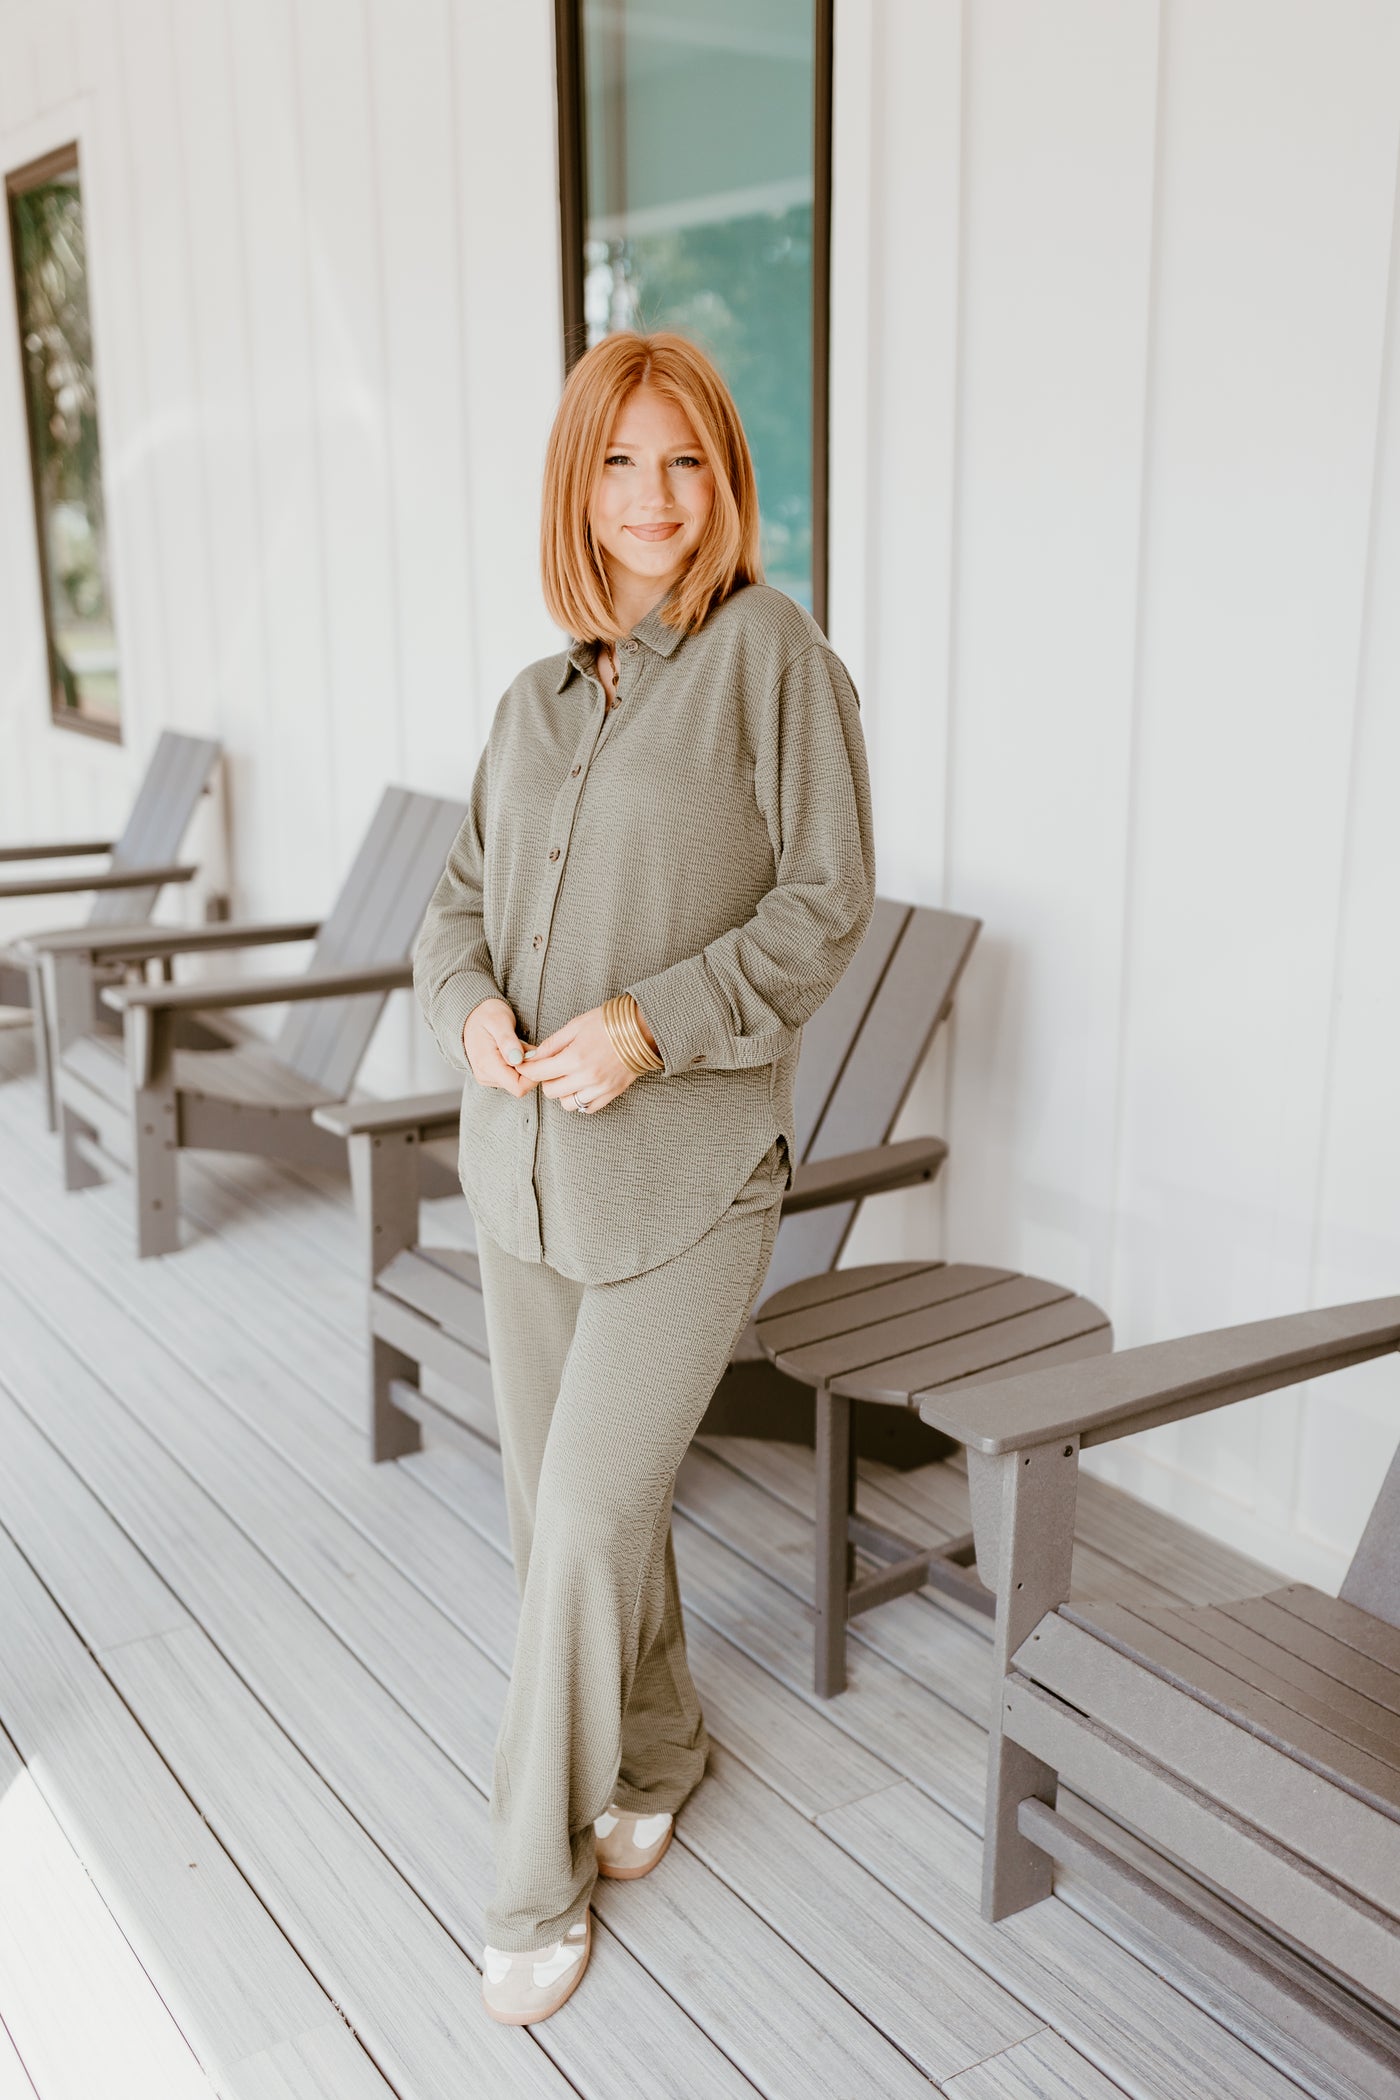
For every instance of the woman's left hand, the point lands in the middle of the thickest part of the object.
(578, 1058)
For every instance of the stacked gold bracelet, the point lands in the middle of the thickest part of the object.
(620, 1020)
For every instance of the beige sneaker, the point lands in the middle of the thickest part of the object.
(629, 1845)
(521, 1988)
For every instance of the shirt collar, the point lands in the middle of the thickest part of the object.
(652, 630)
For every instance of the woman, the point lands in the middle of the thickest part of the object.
(666, 866)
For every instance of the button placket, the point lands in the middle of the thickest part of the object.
(561, 823)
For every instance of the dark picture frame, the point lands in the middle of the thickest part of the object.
(61, 418)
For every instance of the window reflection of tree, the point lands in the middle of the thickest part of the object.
(56, 334)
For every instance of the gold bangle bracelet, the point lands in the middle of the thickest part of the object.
(631, 1045)
(612, 1020)
(624, 1029)
(633, 1029)
(620, 1041)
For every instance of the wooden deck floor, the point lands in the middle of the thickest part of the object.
(250, 1683)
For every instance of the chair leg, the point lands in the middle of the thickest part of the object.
(835, 1469)
(392, 1433)
(78, 1171)
(154, 1171)
(1029, 1496)
(43, 1041)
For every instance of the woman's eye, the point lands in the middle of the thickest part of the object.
(623, 459)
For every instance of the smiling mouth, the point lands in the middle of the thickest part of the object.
(653, 532)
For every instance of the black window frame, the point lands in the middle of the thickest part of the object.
(568, 45)
(31, 175)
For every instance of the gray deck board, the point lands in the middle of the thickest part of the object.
(316, 1650)
(15, 2082)
(80, 2014)
(199, 1929)
(1043, 2068)
(1109, 2006)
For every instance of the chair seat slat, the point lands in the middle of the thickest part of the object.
(1161, 1644)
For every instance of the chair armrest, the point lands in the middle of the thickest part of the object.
(107, 879)
(57, 850)
(848, 1175)
(1105, 1397)
(138, 943)
(257, 991)
(429, 1115)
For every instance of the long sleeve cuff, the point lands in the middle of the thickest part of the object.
(692, 1024)
(462, 991)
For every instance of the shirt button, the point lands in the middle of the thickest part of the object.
(629, 645)
(574, 769)
(554, 853)
(536, 941)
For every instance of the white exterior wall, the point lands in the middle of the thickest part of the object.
(1116, 537)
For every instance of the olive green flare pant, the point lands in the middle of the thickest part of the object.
(599, 1389)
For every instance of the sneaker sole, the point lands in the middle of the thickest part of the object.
(636, 1873)
(569, 1986)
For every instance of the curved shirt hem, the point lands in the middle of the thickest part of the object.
(768, 1184)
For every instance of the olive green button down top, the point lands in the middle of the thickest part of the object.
(705, 844)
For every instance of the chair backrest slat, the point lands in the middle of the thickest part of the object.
(174, 780)
(875, 1032)
(374, 920)
(833, 1028)
(1373, 1579)
(913, 996)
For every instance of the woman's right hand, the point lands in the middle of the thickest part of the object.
(492, 1045)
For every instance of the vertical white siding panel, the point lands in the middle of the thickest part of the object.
(912, 132)
(897, 131)
(347, 339)
(348, 324)
(295, 763)
(1350, 1423)
(124, 391)
(19, 76)
(414, 116)
(236, 644)
(1055, 278)
(175, 410)
(1280, 131)
(55, 53)
(512, 330)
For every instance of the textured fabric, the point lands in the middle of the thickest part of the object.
(599, 1389)
(705, 844)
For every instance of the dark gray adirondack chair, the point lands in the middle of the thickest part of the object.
(141, 1108)
(860, 1053)
(140, 863)
(1241, 1761)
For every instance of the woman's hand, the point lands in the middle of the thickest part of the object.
(492, 1046)
(580, 1058)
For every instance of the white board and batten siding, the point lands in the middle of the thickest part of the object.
(1115, 533)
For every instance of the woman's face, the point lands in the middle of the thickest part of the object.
(653, 492)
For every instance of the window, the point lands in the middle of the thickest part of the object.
(50, 265)
(695, 149)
